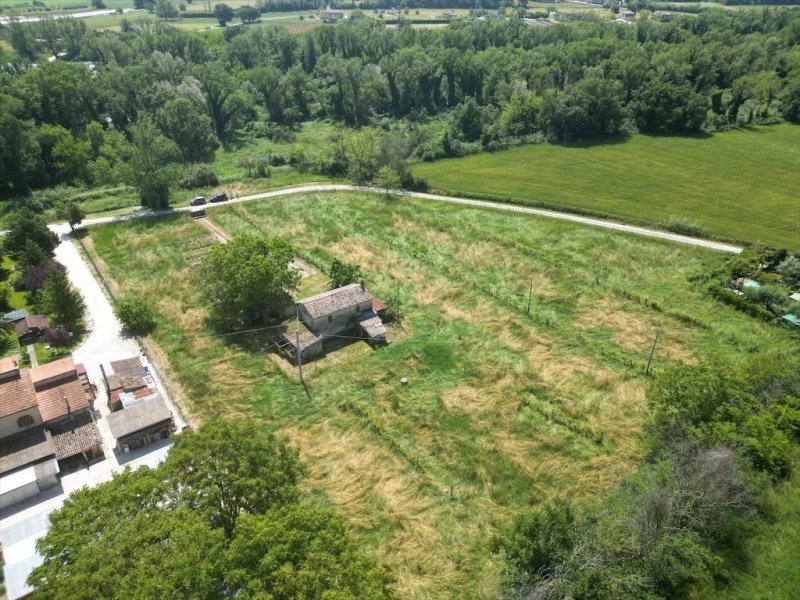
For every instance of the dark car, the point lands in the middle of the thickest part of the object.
(199, 201)
(221, 197)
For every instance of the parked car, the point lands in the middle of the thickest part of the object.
(199, 201)
(220, 197)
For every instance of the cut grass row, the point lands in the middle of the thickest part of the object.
(741, 185)
(503, 409)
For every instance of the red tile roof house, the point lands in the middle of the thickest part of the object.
(67, 407)
(27, 456)
(46, 426)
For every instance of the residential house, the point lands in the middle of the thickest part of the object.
(31, 328)
(347, 310)
(46, 425)
(66, 406)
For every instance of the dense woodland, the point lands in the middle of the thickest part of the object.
(157, 100)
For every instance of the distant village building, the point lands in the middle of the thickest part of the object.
(331, 16)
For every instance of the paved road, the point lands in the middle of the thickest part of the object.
(105, 341)
(549, 214)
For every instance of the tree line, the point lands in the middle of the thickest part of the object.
(143, 105)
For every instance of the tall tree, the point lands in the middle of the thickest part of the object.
(248, 277)
(59, 299)
(150, 168)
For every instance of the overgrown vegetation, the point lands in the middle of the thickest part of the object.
(717, 429)
(502, 410)
(219, 517)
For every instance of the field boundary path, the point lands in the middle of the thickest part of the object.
(549, 214)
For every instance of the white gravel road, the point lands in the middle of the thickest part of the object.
(549, 214)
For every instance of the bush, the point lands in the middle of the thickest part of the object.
(58, 337)
(136, 314)
(684, 226)
(199, 175)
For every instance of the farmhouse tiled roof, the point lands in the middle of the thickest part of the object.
(62, 366)
(333, 301)
(24, 449)
(74, 437)
(57, 401)
(17, 393)
(138, 417)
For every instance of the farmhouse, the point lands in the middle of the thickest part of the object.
(347, 310)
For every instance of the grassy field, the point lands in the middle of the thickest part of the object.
(740, 184)
(502, 410)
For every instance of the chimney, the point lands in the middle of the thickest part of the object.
(103, 371)
(362, 285)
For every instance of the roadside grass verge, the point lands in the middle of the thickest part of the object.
(740, 185)
(503, 409)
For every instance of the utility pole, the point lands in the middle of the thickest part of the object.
(652, 351)
(530, 294)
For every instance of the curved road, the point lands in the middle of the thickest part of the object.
(550, 214)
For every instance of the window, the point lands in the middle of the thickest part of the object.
(25, 421)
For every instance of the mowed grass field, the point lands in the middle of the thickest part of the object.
(502, 409)
(743, 185)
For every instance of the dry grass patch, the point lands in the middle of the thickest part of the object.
(357, 474)
(636, 332)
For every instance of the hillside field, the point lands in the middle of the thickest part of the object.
(743, 185)
(502, 410)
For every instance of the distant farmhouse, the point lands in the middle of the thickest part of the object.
(331, 16)
(348, 310)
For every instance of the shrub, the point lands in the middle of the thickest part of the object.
(57, 337)
(684, 226)
(136, 314)
(343, 273)
(199, 175)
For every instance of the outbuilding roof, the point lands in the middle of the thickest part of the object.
(24, 449)
(138, 417)
(128, 368)
(74, 437)
(25, 324)
(59, 400)
(16, 315)
(333, 301)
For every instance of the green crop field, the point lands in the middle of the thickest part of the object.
(502, 409)
(743, 185)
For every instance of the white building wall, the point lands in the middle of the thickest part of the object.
(9, 425)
